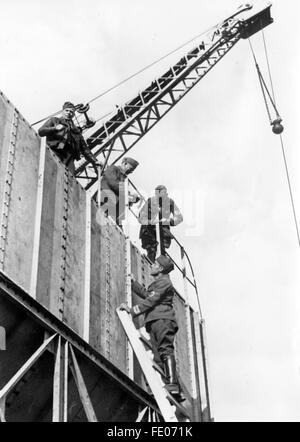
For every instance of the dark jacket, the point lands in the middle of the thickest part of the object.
(75, 143)
(158, 302)
(112, 193)
(111, 179)
(150, 210)
(149, 213)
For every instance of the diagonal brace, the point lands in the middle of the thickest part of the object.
(20, 373)
(23, 370)
(83, 393)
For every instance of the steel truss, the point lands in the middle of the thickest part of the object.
(133, 120)
(64, 344)
(60, 380)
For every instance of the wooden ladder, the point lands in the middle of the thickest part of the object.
(170, 409)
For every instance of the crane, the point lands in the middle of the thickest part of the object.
(111, 141)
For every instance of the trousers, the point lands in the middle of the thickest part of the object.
(162, 335)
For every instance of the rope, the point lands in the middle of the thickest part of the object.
(131, 76)
(269, 69)
(290, 189)
(140, 71)
(150, 65)
(264, 94)
(264, 87)
(46, 118)
(260, 81)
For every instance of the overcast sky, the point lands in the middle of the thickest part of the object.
(216, 148)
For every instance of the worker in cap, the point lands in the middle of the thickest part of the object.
(158, 209)
(65, 139)
(112, 189)
(133, 163)
(68, 105)
(161, 188)
(160, 319)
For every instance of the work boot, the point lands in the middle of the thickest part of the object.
(172, 384)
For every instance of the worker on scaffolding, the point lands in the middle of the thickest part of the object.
(65, 139)
(160, 319)
(162, 210)
(112, 189)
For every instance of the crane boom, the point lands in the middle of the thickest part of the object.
(134, 119)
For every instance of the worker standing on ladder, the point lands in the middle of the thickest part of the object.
(160, 319)
(112, 189)
(158, 209)
(65, 139)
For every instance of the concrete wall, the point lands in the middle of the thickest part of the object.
(61, 250)
(19, 160)
(107, 289)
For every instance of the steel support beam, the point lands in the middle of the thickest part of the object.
(53, 325)
(23, 370)
(66, 380)
(82, 390)
(20, 373)
(56, 415)
(142, 414)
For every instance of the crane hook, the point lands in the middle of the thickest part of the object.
(277, 126)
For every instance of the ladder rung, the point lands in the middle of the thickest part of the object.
(145, 341)
(180, 408)
(157, 368)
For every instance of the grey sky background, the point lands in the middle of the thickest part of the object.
(216, 144)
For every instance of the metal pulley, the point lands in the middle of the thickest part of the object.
(277, 126)
(83, 109)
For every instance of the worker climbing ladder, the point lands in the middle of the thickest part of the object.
(170, 409)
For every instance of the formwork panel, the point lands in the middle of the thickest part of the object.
(136, 270)
(61, 268)
(139, 272)
(96, 290)
(6, 118)
(20, 150)
(140, 267)
(44, 276)
(107, 288)
(49, 280)
(145, 270)
(115, 332)
(73, 306)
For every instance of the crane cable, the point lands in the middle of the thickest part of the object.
(264, 87)
(150, 65)
(273, 101)
(134, 75)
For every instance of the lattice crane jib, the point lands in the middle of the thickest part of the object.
(132, 121)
